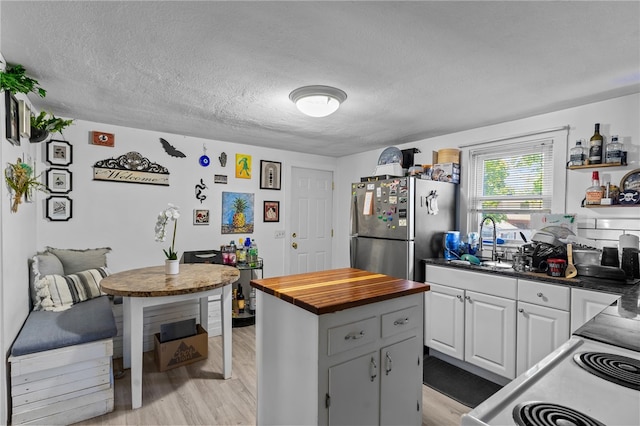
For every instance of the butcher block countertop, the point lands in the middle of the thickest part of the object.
(337, 289)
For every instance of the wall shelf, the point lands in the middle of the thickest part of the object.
(596, 166)
(600, 206)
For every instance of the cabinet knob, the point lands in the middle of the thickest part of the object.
(539, 294)
(459, 297)
(521, 310)
(468, 299)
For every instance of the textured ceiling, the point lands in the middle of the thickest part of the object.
(411, 70)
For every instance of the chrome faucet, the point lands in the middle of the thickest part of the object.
(494, 250)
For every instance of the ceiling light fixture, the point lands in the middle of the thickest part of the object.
(317, 101)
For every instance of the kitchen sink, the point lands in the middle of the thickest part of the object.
(497, 264)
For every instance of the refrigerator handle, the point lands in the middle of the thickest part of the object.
(354, 251)
(354, 216)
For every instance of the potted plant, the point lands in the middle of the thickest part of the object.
(14, 80)
(20, 179)
(44, 124)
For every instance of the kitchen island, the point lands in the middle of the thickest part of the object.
(341, 346)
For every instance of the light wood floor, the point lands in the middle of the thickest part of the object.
(196, 394)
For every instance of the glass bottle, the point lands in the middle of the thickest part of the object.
(613, 151)
(241, 300)
(577, 154)
(252, 301)
(241, 253)
(232, 253)
(595, 192)
(595, 146)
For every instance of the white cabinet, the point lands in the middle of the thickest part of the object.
(586, 304)
(543, 321)
(356, 366)
(472, 317)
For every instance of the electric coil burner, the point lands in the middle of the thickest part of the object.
(547, 414)
(618, 369)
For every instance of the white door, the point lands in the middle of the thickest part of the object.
(311, 220)
(540, 331)
(399, 400)
(444, 320)
(490, 333)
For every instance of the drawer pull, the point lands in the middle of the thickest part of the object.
(402, 321)
(354, 336)
(539, 294)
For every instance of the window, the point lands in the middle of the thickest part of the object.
(511, 180)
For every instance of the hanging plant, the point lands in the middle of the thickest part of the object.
(15, 81)
(20, 179)
(45, 124)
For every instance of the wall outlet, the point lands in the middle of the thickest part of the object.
(279, 234)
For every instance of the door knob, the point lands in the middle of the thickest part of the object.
(294, 235)
(294, 245)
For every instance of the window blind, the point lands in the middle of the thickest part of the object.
(512, 177)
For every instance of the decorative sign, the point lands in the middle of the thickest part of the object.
(103, 139)
(171, 150)
(199, 188)
(220, 179)
(131, 168)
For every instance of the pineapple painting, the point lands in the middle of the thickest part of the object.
(237, 213)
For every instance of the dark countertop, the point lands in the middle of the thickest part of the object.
(618, 324)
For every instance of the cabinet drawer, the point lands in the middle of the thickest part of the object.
(348, 336)
(550, 295)
(398, 321)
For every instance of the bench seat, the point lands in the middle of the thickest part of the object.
(61, 365)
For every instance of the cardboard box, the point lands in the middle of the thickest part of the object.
(183, 351)
(446, 172)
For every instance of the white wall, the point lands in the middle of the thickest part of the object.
(617, 116)
(123, 215)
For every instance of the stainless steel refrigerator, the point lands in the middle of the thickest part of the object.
(397, 222)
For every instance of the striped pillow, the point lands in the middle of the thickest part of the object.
(60, 292)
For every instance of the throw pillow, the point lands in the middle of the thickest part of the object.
(60, 292)
(81, 260)
(43, 264)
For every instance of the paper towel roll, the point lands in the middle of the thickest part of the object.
(628, 240)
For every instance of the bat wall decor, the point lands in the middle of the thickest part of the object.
(171, 150)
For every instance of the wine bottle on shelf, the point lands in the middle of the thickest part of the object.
(613, 151)
(595, 192)
(577, 154)
(241, 300)
(595, 146)
(234, 303)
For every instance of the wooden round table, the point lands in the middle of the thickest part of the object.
(150, 286)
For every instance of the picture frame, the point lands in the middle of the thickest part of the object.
(243, 166)
(59, 208)
(25, 119)
(631, 181)
(237, 213)
(59, 153)
(271, 211)
(220, 179)
(59, 180)
(270, 174)
(201, 217)
(12, 121)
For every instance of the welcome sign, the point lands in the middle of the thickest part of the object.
(131, 167)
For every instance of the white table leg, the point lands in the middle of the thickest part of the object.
(225, 313)
(136, 324)
(126, 333)
(204, 313)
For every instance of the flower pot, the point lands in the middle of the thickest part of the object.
(171, 267)
(38, 135)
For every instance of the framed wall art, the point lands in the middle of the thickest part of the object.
(272, 211)
(25, 119)
(103, 138)
(58, 208)
(237, 213)
(12, 118)
(243, 166)
(59, 153)
(200, 217)
(270, 174)
(58, 180)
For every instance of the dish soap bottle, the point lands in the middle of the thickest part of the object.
(595, 192)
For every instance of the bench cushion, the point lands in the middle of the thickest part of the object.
(84, 322)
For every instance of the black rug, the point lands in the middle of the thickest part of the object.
(466, 388)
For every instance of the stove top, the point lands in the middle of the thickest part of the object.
(559, 380)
